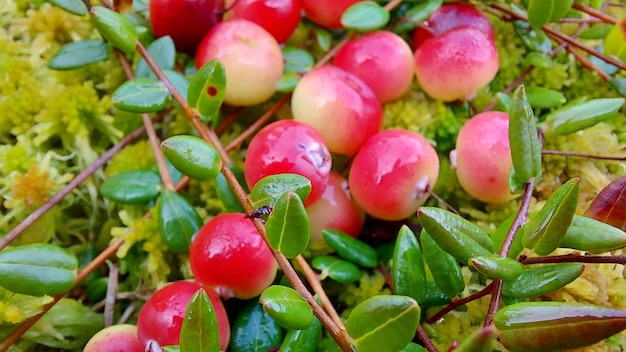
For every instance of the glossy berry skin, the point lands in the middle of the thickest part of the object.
(289, 146)
(251, 56)
(229, 255)
(456, 64)
(115, 338)
(483, 157)
(186, 21)
(340, 106)
(383, 60)
(279, 17)
(161, 317)
(326, 13)
(391, 174)
(449, 16)
(334, 210)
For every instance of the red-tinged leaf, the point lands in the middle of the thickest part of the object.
(609, 206)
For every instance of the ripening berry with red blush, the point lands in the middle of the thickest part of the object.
(289, 146)
(340, 106)
(334, 210)
(392, 173)
(382, 59)
(327, 13)
(279, 17)
(161, 317)
(456, 64)
(483, 157)
(115, 338)
(251, 56)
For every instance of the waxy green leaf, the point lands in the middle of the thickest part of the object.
(226, 195)
(587, 234)
(78, 54)
(534, 39)
(413, 347)
(116, 28)
(576, 117)
(408, 273)
(416, 14)
(535, 281)
(141, 95)
(208, 88)
(545, 229)
(287, 226)
(254, 330)
(192, 156)
(541, 97)
(297, 60)
(615, 43)
(350, 248)
(178, 221)
(75, 7)
(270, 188)
(609, 206)
(288, 82)
(287, 307)
(499, 235)
(434, 296)
(132, 187)
(497, 267)
(449, 277)
(365, 16)
(481, 340)
(552, 326)
(541, 12)
(523, 138)
(37, 269)
(383, 323)
(445, 228)
(162, 52)
(337, 269)
(199, 332)
(305, 340)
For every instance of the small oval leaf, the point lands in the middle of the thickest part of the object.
(78, 54)
(609, 206)
(416, 14)
(141, 95)
(162, 52)
(199, 332)
(226, 195)
(116, 28)
(297, 60)
(523, 138)
(350, 248)
(287, 307)
(254, 330)
(545, 98)
(270, 188)
(287, 226)
(192, 156)
(365, 16)
(37, 269)
(587, 234)
(337, 269)
(132, 187)
(497, 267)
(541, 12)
(305, 340)
(408, 273)
(383, 323)
(576, 117)
(178, 221)
(449, 277)
(75, 7)
(540, 280)
(208, 88)
(615, 43)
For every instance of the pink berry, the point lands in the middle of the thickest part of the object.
(115, 338)
(279, 17)
(456, 64)
(326, 13)
(335, 210)
(289, 146)
(392, 173)
(341, 107)
(161, 317)
(483, 157)
(229, 255)
(252, 58)
(383, 60)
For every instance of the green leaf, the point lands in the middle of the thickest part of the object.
(365, 16)
(413, 347)
(337, 269)
(541, 12)
(408, 273)
(534, 39)
(350, 248)
(305, 340)
(587, 234)
(573, 118)
(417, 14)
(499, 235)
(37, 269)
(287, 226)
(615, 43)
(523, 138)
(192, 156)
(163, 52)
(297, 60)
(288, 82)
(323, 38)
(270, 188)
(545, 230)
(178, 221)
(287, 307)
(116, 28)
(537, 59)
(552, 326)
(545, 98)
(178, 80)
(75, 7)
(208, 88)
(383, 323)
(497, 267)
(536, 281)
(226, 195)
(199, 331)
(132, 187)
(449, 277)
(481, 340)
(78, 54)
(596, 31)
(254, 330)
(141, 95)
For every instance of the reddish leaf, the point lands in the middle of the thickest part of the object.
(610, 204)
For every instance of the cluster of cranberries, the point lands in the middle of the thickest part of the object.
(337, 110)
